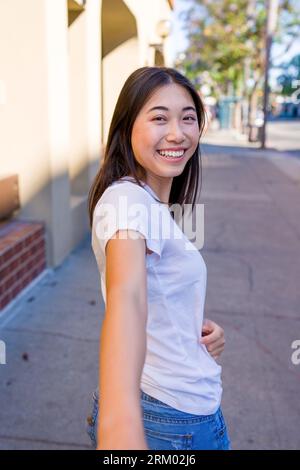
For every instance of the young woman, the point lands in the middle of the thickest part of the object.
(160, 386)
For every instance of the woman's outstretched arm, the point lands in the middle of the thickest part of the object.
(123, 344)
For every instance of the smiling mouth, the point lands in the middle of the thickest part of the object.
(172, 154)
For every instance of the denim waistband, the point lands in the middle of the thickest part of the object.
(173, 413)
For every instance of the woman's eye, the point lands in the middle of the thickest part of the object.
(190, 118)
(159, 118)
(163, 118)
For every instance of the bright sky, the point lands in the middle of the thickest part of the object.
(179, 42)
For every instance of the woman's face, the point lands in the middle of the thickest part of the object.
(165, 133)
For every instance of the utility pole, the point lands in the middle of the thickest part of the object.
(247, 119)
(272, 11)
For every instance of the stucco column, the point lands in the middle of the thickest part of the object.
(93, 73)
(59, 223)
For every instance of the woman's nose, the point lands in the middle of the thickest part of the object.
(175, 133)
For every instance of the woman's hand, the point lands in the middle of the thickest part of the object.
(213, 338)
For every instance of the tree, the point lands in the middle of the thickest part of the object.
(227, 38)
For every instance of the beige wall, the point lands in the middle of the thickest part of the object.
(120, 54)
(78, 99)
(50, 113)
(114, 76)
(84, 59)
(137, 21)
(25, 144)
(24, 137)
(51, 102)
(84, 56)
(148, 14)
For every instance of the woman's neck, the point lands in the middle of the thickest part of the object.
(161, 188)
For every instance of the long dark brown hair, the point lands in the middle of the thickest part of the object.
(119, 159)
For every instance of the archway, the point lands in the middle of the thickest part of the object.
(120, 54)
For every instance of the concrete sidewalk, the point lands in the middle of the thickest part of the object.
(252, 246)
(52, 337)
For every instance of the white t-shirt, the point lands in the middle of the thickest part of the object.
(178, 370)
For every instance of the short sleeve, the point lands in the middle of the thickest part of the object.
(128, 206)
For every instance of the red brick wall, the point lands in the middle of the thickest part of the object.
(22, 257)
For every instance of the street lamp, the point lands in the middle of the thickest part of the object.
(163, 30)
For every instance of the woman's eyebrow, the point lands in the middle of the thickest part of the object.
(163, 108)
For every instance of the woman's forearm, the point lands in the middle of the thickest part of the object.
(126, 434)
(122, 357)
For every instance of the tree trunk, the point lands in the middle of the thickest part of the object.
(237, 123)
(252, 111)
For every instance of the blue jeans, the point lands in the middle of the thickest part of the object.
(169, 429)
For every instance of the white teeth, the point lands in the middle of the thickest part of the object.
(165, 153)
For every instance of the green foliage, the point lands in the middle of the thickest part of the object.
(224, 35)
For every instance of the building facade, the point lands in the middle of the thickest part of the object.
(62, 65)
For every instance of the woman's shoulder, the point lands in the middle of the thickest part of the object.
(127, 188)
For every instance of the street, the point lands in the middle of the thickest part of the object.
(284, 135)
(252, 246)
